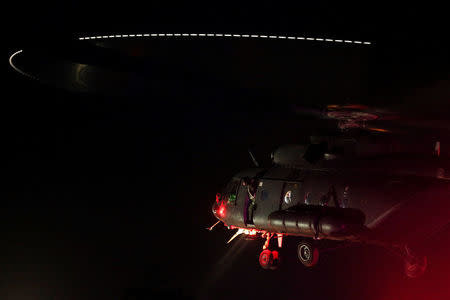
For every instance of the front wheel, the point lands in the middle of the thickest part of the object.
(275, 261)
(266, 259)
(307, 254)
(269, 259)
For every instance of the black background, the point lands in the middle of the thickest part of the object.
(107, 197)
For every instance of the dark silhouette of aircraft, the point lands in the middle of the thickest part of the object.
(362, 184)
(369, 182)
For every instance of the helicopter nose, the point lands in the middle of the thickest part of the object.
(215, 207)
(219, 210)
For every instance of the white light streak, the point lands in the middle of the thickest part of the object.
(279, 37)
(16, 68)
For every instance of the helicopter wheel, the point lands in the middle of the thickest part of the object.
(275, 261)
(307, 254)
(269, 259)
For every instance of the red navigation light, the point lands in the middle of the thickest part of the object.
(221, 210)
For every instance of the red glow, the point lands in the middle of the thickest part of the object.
(348, 106)
(378, 129)
(217, 197)
(253, 232)
(221, 210)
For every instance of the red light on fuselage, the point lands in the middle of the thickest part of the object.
(221, 210)
(217, 197)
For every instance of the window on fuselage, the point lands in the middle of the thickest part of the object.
(229, 192)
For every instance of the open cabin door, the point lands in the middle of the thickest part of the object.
(241, 199)
(246, 200)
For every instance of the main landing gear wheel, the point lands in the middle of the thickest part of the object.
(269, 259)
(308, 254)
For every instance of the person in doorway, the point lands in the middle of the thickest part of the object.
(250, 201)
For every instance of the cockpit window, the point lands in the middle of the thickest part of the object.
(230, 191)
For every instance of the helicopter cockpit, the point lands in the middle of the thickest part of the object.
(227, 195)
(229, 192)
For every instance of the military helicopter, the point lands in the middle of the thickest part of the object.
(363, 185)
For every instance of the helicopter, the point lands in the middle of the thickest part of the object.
(363, 185)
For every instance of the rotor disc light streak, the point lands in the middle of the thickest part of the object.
(201, 35)
(16, 68)
(279, 37)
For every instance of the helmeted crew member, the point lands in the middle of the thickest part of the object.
(331, 195)
(308, 197)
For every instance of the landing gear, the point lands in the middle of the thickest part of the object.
(308, 254)
(414, 265)
(269, 259)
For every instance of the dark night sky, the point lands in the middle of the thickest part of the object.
(108, 197)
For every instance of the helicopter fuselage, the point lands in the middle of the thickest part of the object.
(335, 202)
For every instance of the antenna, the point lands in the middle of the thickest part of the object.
(253, 157)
